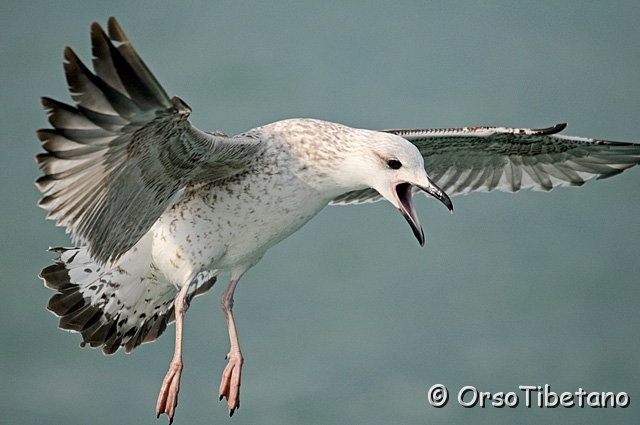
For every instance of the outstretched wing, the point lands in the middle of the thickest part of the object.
(115, 160)
(481, 159)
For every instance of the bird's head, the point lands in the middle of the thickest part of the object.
(395, 168)
(400, 170)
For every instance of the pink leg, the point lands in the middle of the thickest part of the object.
(168, 398)
(230, 385)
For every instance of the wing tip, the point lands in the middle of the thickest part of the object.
(115, 30)
(550, 130)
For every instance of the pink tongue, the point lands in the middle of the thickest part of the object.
(403, 191)
(406, 199)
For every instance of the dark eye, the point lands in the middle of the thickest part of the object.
(394, 164)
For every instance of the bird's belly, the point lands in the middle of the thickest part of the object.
(225, 229)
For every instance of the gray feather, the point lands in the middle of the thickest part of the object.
(115, 160)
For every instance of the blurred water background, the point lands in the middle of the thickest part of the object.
(349, 321)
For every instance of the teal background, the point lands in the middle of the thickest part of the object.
(349, 321)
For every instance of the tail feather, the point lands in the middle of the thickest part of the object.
(123, 305)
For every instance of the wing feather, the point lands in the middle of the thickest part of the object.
(482, 159)
(114, 161)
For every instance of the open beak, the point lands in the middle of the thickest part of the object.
(403, 192)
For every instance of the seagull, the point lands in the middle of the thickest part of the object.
(158, 208)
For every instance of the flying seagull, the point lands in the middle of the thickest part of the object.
(159, 208)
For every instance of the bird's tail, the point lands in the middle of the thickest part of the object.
(123, 304)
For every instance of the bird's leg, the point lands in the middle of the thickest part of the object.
(230, 385)
(168, 398)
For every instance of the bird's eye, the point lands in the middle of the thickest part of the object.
(394, 164)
